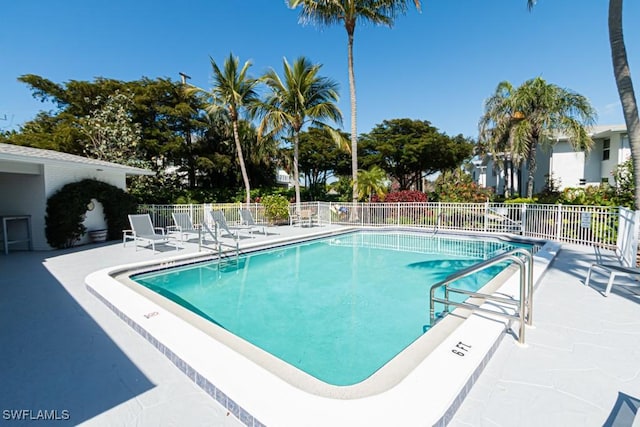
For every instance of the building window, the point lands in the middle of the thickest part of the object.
(606, 149)
(625, 140)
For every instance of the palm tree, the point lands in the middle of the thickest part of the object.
(349, 12)
(516, 121)
(233, 91)
(301, 98)
(372, 182)
(625, 86)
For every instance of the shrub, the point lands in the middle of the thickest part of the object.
(599, 195)
(458, 187)
(67, 207)
(522, 200)
(404, 196)
(276, 208)
(623, 193)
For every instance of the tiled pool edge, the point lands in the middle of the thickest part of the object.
(200, 380)
(453, 408)
(314, 410)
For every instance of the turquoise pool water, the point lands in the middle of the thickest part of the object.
(337, 308)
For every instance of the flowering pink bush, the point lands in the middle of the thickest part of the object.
(404, 196)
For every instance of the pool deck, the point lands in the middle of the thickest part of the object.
(63, 349)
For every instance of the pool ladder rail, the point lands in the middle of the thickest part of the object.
(204, 230)
(523, 306)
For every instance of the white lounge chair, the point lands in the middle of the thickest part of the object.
(184, 226)
(247, 219)
(612, 270)
(142, 229)
(221, 224)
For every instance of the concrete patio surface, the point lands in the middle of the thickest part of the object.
(62, 349)
(582, 363)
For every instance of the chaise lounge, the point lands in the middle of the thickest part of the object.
(221, 224)
(247, 219)
(183, 225)
(142, 229)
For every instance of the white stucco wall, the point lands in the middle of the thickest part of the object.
(543, 168)
(568, 166)
(57, 176)
(23, 194)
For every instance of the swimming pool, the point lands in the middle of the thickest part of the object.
(337, 308)
(422, 385)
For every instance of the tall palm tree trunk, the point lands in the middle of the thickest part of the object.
(243, 168)
(296, 175)
(354, 128)
(625, 88)
(531, 166)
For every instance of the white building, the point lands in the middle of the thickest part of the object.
(283, 179)
(29, 176)
(568, 168)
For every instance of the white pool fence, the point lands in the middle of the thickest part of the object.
(614, 228)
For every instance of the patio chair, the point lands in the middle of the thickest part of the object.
(221, 224)
(304, 217)
(246, 218)
(183, 226)
(142, 229)
(613, 271)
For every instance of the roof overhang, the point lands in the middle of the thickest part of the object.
(19, 159)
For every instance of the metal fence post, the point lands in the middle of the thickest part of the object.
(523, 219)
(559, 222)
(486, 215)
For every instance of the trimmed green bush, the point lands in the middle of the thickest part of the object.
(276, 208)
(67, 207)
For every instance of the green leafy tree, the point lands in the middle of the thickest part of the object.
(303, 97)
(408, 149)
(348, 13)
(159, 106)
(517, 120)
(319, 157)
(233, 91)
(111, 134)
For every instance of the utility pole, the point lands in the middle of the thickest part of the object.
(184, 77)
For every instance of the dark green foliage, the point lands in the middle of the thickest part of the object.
(410, 149)
(67, 207)
(175, 132)
(158, 189)
(320, 155)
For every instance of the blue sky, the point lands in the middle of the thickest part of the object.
(439, 65)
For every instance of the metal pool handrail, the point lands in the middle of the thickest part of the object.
(525, 303)
(204, 229)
